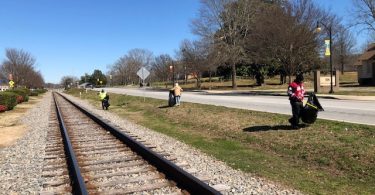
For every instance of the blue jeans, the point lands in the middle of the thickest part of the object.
(177, 98)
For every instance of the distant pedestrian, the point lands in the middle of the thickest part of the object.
(102, 97)
(177, 93)
(296, 93)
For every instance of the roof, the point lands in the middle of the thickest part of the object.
(371, 47)
(367, 55)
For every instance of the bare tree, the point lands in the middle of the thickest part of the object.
(119, 71)
(18, 63)
(21, 65)
(343, 48)
(52, 85)
(35, 79)
(68, 81)
(136, 59)
(285, 37)
(160, 67)
(194, 54)
(364, 13)
(226, 23)
(124, 70)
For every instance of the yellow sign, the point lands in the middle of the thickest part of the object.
(11, 84)
(328, 52)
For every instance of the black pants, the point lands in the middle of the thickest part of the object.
(296, 111)
(105, 104)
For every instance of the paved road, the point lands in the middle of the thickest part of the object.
(354, 111)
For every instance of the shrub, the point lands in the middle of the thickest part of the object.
(9, 99)
(3, 108)
(22, 92)
(19, 99)
(39, 91)
(34, 93)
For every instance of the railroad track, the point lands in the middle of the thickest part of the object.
(86, 155)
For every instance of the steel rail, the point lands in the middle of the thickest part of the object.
(78, 184)
(183, 179)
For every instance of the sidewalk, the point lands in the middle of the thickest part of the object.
(347, 97)
(283, 93)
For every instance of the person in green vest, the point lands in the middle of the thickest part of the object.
(102, 97)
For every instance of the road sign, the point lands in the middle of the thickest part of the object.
(11, 84)
(143, 73)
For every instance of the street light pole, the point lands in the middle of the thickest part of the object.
(329, 28)
(330, 56)
(110, 78)
(171, 67)
(173, 73)
(185, 74)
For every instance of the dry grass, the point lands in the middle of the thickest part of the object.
(11, 128)
(349, 78)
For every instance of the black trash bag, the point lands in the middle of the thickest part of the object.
(171, 100)
(311, 109)
(106, 102)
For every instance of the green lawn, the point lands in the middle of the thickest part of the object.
(324, 158)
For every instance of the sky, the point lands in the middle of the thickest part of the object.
(74, 37)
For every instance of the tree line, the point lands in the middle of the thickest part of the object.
(255, 38)
(265, 37)
(21, 65)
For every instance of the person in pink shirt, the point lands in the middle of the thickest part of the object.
(296, 94)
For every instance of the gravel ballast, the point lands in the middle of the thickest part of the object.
(20, 164)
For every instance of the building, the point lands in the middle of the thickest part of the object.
(3, 85)
(366, 66)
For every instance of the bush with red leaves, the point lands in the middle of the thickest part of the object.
(3, 108)
(19, 99)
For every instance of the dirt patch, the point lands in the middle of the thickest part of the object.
(11, 128)
(10, 134)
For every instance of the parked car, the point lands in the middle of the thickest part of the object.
(90, 86)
